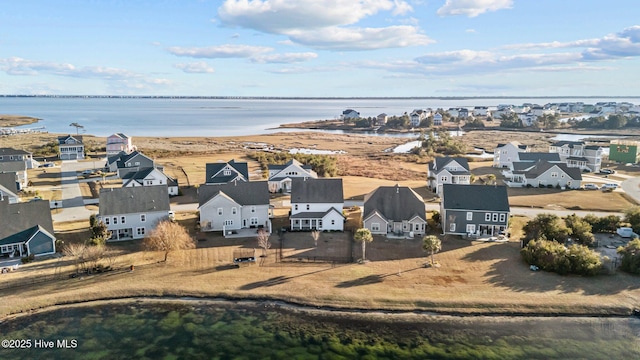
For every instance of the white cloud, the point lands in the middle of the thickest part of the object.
(336, 38)
(286, 58)
(473, 8)
(471, 31)
(221, 51)
(195, 68)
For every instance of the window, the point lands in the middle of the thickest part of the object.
(333, 222)
(106, 221)
(115, 220)
(227, 172)
(495, 217)
(452, 227)
(234, 210)
(143, 217)
(228, 222)
(469, 215)
(503, 217)
(375, 226)
(319, 223)
(149, 182)
(137, 163)
(253, 209)
(253, 221)
(122, 220)
(417, 227)
(220, 211)
(554, 174)
(487, 217)
(140, 231)
(443, 179)
(160, 182)
(307, 206)
(471, 228)
(295, 207)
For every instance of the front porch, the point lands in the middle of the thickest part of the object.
(121, 234)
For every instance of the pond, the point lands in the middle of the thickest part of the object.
(225, 330)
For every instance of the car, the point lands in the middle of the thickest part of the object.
(591, 187)
(609, 186)
(607, 171)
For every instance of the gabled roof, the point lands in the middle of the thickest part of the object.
(514, 143)
(578, 158)
(593, 147)
(64, 139)
(314, 215)
(128, 157)
(542, 166)
(24, 235)
(569, 144)
(11, 151)
(132, 200)
(22, 216)
(13, 166)
(310, 190)
(8, 182)
(349, 111)
(214, 173)
(244, 193)
(442, 162)
(288, 163)
(475, 197)
(394, 203)
(538, 156)
(120, 135)
(113, 158)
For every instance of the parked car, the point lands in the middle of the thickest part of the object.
(591, 187)
(626, 232)
(607, 171)
(609, 186)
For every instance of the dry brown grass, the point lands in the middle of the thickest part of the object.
(16, 120)
(555, 199)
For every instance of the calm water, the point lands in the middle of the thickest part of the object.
(224, 331)
(215, 117)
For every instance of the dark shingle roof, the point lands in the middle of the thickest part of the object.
(63, 139)
(214, 168)
(131, 200)
(127, 157)
(22, 216)
(537, 156)
(310, 190)
(314, 215)
(394, 203)
(8, 181)
(22, 236)
(542, 166)
(475, 197)
(290, 162)
(244, 193)
(10, 151)
(13, 166)
(442, 162)
(571, 144)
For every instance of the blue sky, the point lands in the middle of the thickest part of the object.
(320, 48)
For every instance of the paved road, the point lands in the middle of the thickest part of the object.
(72, 204)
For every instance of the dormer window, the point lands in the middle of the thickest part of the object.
(227, 172)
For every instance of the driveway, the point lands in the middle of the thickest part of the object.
(72, 203)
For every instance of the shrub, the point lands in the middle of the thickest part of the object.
(555, 257)
(547, 226)
(630, 257)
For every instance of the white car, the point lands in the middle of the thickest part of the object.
(610, 186)
(591, 187)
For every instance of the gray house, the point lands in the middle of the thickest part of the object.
(10, 154)
(394, 210)
(132, 212)
(475, 210)
(70, 147)
(222, 173)
(9, 188)
(27, 229)
(234, 206)
(18, 169)
(132, 163)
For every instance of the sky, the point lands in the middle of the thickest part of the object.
(320, 48)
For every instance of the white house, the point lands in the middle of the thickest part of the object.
(281, 175)
(119, 142)
(396, 210)
(480, 111)
(317, 204)
(233, 206)
(447, 170)
(70, 147)
(222, 173)
(150, 177)
(437, 119)
(381, 119)
(132, 212)
(543, 174)
(505, 154)
(350, 114)
(418, 115)
(578, 154)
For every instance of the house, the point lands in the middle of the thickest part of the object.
(525, 161)
(70, 147)
(132, 163)
(150, 177)
(119, 142)
(350, 114)
(234, 206)
(382, 119)
(505, 154)
(19, 171)
(8, 188)
(480, 111)
(132, 212)
(463, 113)
(394, 210)
(544, 174)
(281, 175)
(27, 229)
(453, 112)
(222, 173)
(317, 204)
(475, 210)
(9, 155)
(578, 154)
(447, 170)
(437, 119)
(417, 115)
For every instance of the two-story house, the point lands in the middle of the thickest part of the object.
(10, 155)
(133, 162)
(447, 170)
(579, 155)
(381, 119)
(475, 210)
(396, 210)
(437, 119)
(417, 115)
(132, 212)
(70, 147)
(544, 174)
(19, 171)
(150, 177)
(317, 204)
(119, 142)
(8, 188)
(222, 173)
(234, 206)
(505, 154)
(281, 175)
(350, 114)
(27, 229)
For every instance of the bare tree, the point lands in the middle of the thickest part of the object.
(263, 241)
(93, 255)
(315, 234)
(168, 236)
(76, 251)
